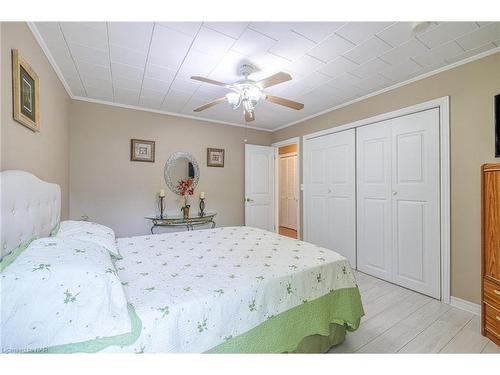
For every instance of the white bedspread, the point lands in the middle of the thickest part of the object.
(193, 290)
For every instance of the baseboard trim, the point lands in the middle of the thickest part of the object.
(462, 304)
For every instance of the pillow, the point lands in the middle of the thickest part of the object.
(88, 231)
(61, 291)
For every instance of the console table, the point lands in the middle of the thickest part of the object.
(177, 220)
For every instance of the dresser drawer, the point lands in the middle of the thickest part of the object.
(491, 293)
(492, 320)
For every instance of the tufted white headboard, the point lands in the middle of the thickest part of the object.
(30, 208)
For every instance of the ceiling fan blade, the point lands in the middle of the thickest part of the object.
(275, 79)
(211, 81)
(249, 116)
(285, 102)
(208, 105)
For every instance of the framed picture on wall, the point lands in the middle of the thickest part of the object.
(25, 93)
(215, 157)
(497, 126)
(141, 150)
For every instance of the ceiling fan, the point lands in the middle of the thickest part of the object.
(247, 93)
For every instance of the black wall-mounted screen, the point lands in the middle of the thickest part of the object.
(497, 126)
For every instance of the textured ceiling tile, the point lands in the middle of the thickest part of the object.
(212, 42)
(480, 37)
(232, 29)
(406, 50)
(251, 42)
(338, 67)
(292, 46)
(358, 32)
(127, 56)
(370, 68)
(439, 54)
(132, 35)
(168, 47)
(365, 51)
(446, 32)
(316, 31)
(330, 48)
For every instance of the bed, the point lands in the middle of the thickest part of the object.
(222, 290)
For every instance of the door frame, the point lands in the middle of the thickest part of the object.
(277, 145)
(443, 105)
(278, 181)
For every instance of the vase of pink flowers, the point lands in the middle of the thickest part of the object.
(185, 189)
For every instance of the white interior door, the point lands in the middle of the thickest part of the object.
(259, 187)
(329, 183)
(415, 209)
(398, 201)
(374, 208)
(288, 191)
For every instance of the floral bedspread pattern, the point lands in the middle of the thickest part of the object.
(194, 290)
(89, 231)
(60, 291)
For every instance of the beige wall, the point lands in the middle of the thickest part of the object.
(471, 89)
(45, 154)
(112, 190)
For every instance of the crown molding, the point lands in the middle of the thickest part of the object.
(59, 74)
(152, 110)
(395, 86)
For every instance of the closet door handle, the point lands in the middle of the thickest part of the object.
(394, 192)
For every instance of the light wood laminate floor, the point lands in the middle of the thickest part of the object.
(284, 231)
(398, 320)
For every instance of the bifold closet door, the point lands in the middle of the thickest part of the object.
(398, 214)
(329, 192)
(374, 200)
(416, 208)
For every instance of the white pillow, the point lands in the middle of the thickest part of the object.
(88, 231)
(61, 291)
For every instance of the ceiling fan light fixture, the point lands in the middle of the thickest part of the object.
(233, 98)
(247, 93)
(254, 94)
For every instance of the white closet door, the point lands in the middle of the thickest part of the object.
(398, 201)
(329, 183)
(415, 209)
(374, 245)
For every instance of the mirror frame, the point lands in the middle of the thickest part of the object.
(172, 185)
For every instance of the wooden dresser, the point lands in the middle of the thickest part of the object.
(490, 252)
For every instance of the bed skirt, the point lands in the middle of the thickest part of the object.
(313, 327)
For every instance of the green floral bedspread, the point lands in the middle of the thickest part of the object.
(196, 290)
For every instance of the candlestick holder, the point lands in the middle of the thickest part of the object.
(202, 207)
(162, 207)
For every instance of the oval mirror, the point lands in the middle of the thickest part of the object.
(181, 166)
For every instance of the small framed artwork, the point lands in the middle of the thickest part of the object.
(497, 126)
(215, 157)
(25, 93)
(141, 150)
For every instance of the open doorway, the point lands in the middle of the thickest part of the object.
(287, 188)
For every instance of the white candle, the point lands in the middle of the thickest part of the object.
(162, 193)
(202, 195)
